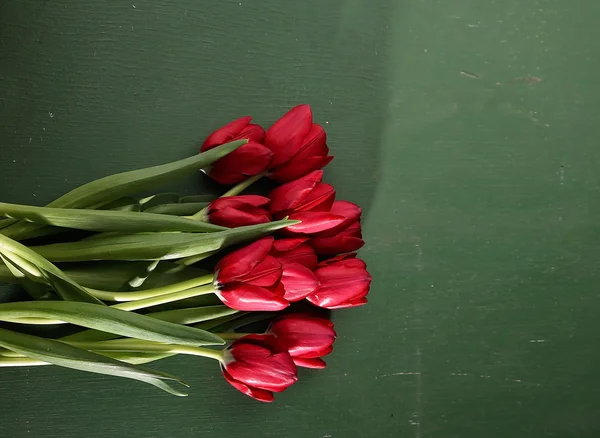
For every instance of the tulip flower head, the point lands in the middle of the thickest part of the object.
(308, 200)
(239, 211)
(345, 237)
(306, 337)
(249, 279)
(343, 282)
(299, 146)
(258, 366)
(248, 160)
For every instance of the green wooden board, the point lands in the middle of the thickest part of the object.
(467, 131)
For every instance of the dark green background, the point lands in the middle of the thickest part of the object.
(480, 191)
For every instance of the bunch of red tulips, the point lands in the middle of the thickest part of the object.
(310, 256)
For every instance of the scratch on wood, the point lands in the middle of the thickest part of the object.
(416, 421)
(404, 373)
(469, 74)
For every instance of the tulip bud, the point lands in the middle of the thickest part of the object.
(247, 160)
(345, 237)
(249, 279)
(308, 200)
(299, 145)
(258, 366)
(306, 337)
(295, 250)
(343, 282)
(238, 211)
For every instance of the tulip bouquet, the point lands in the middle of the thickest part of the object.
(111, 281)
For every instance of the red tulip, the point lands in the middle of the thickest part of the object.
(298, 260)
(344, 282)
(247, 160)
(304, 194)
(295, 250)
(308, 200)
(239, 211)
(258, 366)
(299, 145)
(346, 237)
(249, 279)
(306, 337)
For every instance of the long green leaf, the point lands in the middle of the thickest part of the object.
(36, 289)
(193, 315)
(110, 188)
(105, 220)
(178, 209)
(115, 275)
(25, 258)
(59, 353)
(155, 246)
(110, 320)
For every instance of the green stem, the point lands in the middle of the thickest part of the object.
(234, 191)
(150, 293)
(131, 345)
(167, 298)
(130, 305)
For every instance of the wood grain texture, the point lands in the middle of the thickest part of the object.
(467, 130)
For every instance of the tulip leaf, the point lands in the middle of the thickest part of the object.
(160, 198)
(179, 209)
(126, 203)
(231, 324)
(105, 220)
(110, 320)
(59, 353)
(29, 261)
(193, 315)
(178, 316)
(112, 187)
(155, 246)
(36, 289)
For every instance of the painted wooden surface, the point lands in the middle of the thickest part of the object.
(467, 131)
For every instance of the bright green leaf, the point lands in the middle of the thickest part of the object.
(155, 246)
(59, 353)
(105, 220)
(110, 320)
(110, 188)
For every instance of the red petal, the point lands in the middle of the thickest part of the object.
(348, 209)
(239, 201)
(248, 160)
(336, 245)
(287, 135)
(344, 270)
(313, 222)
(288, 244)
(258, 394)
(287, 196)
(347, 304)
(265, 274)
(225, 133)
(247, 297)
(242, 261)
(316, 364)
(334, 295)
(253, 133)
(298, 282)
(261, 368)
(232, 217)
(338, 258)
(298, 167)
(320, 198)
(303, 254)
